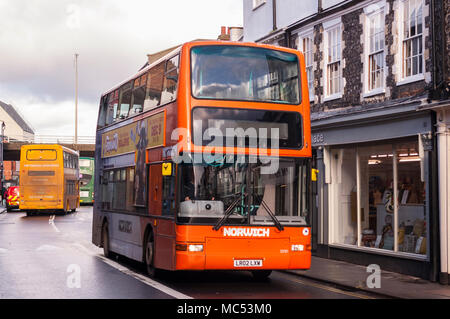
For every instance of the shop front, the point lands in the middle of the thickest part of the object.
(376, 177)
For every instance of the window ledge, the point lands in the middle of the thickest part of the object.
(259, 5)
(374, 92)
(411, 79)
(333, 97)
(381, 251)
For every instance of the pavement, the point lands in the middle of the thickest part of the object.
(355, 277)
(2, 208)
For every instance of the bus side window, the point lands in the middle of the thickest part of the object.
(170, 80)
(130, 190)
(65, 159)
(103, 111)
(168, 194)
(154, 86)
(125, 101)
(138, 97)
(111, 110)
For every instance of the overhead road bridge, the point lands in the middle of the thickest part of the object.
(12, 145)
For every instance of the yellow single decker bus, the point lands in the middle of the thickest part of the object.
(49, 179)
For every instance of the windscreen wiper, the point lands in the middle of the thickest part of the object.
(228, 212)
(271, 214)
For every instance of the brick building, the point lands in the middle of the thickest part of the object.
(378, 75)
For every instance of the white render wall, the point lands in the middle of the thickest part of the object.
(443, 140)
(258, 22)
(12, 128)
(291, 11)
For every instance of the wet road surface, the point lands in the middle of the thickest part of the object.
(52, 256)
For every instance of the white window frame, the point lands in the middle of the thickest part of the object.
(333, 159)
(258, 3)
(370, 12)
(403, 79)
(309, 62)
(328, 27)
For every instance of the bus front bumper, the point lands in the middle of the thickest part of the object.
(241, 254)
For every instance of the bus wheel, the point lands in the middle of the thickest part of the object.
(66, 209)
(261, 274)
(149, 256)
(105, 241)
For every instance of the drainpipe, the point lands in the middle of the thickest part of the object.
(432, 92)
(274, 14)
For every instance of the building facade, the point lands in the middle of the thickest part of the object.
(15, 128)
(376, 85)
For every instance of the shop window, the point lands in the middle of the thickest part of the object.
(381, 197)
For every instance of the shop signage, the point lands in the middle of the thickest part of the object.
(317, 139)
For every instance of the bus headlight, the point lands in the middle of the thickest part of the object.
(297, 247)
(196, 248)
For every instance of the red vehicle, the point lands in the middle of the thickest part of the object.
(12, 198)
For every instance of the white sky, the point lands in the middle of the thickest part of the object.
(38, 39)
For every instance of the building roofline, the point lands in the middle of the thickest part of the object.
(17, 117)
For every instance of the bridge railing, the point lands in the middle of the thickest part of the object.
(49, 139)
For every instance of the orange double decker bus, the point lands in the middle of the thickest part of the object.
(49, 179)
(203, 161)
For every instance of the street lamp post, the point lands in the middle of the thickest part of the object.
(76, 98)
(1, 156)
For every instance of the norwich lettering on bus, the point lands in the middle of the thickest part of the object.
(246, 232)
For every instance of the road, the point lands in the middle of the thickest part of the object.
(52, 256)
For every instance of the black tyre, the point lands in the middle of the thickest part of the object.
(149, 256)
(105, 241)
(261, 274)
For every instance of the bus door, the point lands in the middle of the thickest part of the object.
(160, 202)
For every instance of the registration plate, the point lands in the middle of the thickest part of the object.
(248, 263)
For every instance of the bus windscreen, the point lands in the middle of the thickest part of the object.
(41, 155)
(245, 73)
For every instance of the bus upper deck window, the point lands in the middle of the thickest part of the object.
(154, 86)
(170, 80)
(138, 94)
(125, 101)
